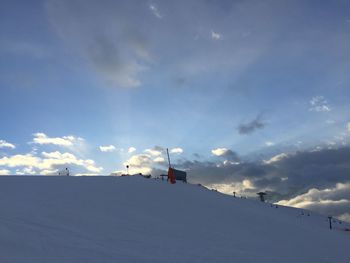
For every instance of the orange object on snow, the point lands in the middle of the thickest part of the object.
(171, 175)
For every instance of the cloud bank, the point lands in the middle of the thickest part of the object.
(48, 163)
(316, 180)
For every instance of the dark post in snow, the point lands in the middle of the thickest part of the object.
(127, 169)
(67, 172)
(261, 195)
(330, 222)
(234, 194)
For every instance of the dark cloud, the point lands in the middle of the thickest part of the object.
(226, 154)
(197, 155)
(287, 178)
(319, 169)
(159, 148)
(252, 126)
(231, 155)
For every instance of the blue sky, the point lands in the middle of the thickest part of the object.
(255, 78)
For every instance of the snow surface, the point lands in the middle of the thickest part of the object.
(133, 219)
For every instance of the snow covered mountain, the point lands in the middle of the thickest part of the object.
(133, 219)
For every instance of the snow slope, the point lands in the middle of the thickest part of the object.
(133, 219)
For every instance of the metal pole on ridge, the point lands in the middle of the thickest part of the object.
(167, 152)
(330, 222)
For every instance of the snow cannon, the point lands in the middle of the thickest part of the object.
(171, 175)
(175, 175)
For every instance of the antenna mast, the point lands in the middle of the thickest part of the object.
(167, 151)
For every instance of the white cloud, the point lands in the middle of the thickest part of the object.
(139, 160)
(109, 148)
(19, 160)
(220, 151)
(238, 187)
(26, 171)
(4, 172)
(50, 172)
(330, 201)
(159, 160)
(85, 174)
(140, 163)
(153, 152)
(319, 197)
(144, 163)
(269, 143)
(67, 141)
(303, 201)
(29, 170)
(230, 156)
(48, 161)
(319, 104)
(154, 9)
(215, 35)
(345, 217)
(73, 143)
(176, 150)
(5, 144)
(276, 158)
(228, 163)
(118, 173)
(131, 149)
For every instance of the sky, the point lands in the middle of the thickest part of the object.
(248, 96)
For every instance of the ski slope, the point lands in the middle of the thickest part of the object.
(133, 219)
